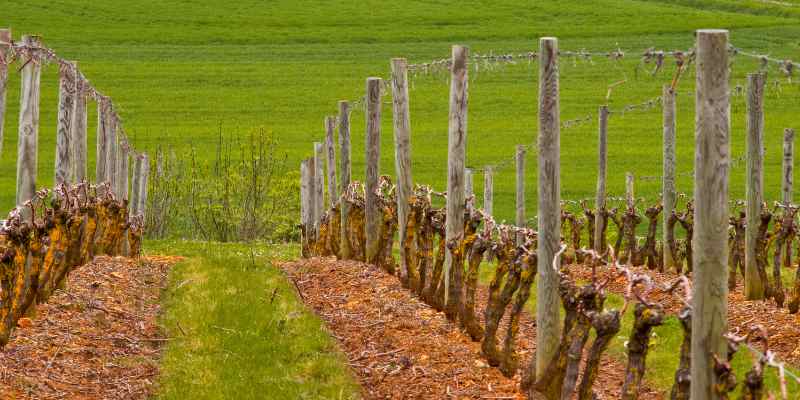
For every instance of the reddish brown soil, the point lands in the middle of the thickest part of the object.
(97, 339)
(400, 348)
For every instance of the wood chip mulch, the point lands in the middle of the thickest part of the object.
(97, 339)
(400, 348)
(783, 328)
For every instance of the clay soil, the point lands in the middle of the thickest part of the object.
(400, 348)
(97, 339)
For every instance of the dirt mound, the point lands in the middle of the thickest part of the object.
(401, 348)
(97, 339)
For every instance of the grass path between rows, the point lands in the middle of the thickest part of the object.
(238, 330)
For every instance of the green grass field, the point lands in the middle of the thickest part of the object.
(181, 70)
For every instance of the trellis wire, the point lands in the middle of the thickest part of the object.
(37, 54)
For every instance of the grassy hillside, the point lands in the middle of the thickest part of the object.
(181, 70)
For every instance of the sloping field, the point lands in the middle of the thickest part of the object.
(181, 71)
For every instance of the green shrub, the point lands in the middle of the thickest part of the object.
(243, 194)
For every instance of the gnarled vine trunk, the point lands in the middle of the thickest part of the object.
(649, 252)
(646, 317)
(499, 294)
(686, 220)
(606, 325)
(468, 319)
(736, 248)
(763, 240)
(527, 261)
(672, 242)
(683, 376)
(630, 252)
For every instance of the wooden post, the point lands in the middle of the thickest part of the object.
(602, 157)
(67, 90)
(319, 186)
(133, 205)
(630, 198)
(710, 243)
(123, 178)
(520, 204)
(344, 175)
(28, 141)
(330, 126)
(78, 136)
(788, 165)
(469, 190)
(122, 174)
(141, 197)
(401, 120)
(306, 183)
(372, 212)
(548, 330)
(5, 53)
(112, 156)
(103, 111)
(488, 189)
(753, 286)
(306, 201)
(312, 194)
(668, 192)
(456, 155)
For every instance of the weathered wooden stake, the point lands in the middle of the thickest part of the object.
(469, 189)
(753, 286)
(330, 127)
(123, 178)
(78, 135)
(344, 175)
(372, 212)
(312, 194)
(306, 201)
(602, 157)
(141, 197)
(133, 205)
(710, 243)
(306, 183)
(488, 189)
(319, 186)
(456, 156)
(520, 204)
(5, 53)
(112, 155)
(788, 165)
(67, 90)
(548, 330)
(122, 173)
(401, 120)
(668, 192)
(28, 141)
(103, 120)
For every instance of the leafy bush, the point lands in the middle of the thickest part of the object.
(243, 194)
